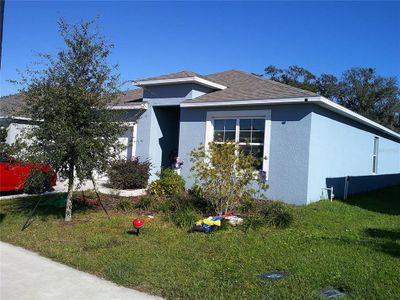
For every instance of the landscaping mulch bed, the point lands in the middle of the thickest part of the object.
(110, 202)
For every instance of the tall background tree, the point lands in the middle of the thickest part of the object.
(69, 99)
(360, 89)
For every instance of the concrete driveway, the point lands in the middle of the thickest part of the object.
(26, 275)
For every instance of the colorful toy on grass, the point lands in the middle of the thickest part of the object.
(138, 224)
(213, 222)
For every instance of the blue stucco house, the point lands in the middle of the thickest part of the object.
(310, 142)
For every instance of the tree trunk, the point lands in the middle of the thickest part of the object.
(68, 208)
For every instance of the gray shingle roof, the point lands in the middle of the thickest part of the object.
(240, 86)
(129, 97)
(245, 86)
(11, 105)
(181, 74)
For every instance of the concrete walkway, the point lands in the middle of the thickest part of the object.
(26, 275)
(62, 187)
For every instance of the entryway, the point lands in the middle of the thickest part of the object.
(168, 122)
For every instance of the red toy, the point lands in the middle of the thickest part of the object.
(138, 224)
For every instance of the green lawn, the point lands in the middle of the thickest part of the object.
(353, 246)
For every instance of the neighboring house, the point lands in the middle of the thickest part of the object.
(310, 142)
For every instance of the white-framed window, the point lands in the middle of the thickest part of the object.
(250, 128)
(375, 156)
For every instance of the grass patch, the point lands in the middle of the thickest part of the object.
(351, 245)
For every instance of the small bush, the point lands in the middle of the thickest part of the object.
(169, 184)
(133, 174)
(150, 202)
(266, 213)
(226, 174)
(185, 217)
(180, 211)
(125, 205)
(248, 205)
(37, 183)
(253, 221)
(276, 214)
(196, 196)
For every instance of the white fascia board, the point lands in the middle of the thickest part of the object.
(193, 79)
(135, 106)
(328, 104)
(318, 100)
(246, 102)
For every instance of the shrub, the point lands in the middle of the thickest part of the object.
(125, 205)
(185, 217)
(226, 174)
(248, 205)
(276, 214)
(196, 196)
(180, 210)
(37, 183)
(133, 174)
(150, 202)
(267, 213)
(169, 184)
(253, 221)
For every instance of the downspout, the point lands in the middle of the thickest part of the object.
(346, 187)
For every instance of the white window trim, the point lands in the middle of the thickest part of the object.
(242, 114)
(375, 155)
(134, 137)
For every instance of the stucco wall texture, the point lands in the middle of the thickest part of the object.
(309, 145)
(341, 147)
(289, 148)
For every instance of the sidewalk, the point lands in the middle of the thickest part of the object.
(26, 275)
(62, 186)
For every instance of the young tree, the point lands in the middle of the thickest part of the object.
(360, 89)
(69, 99)
(226, 174)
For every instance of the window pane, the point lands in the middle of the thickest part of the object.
(376, 144)
(258, 124)
(218, 136)
(229, 136)
(374, 166)
(244, 137)
(218, 124)
(257, 137)
(257, 152)
(245, 149)
(245, 124)
(230, 124)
